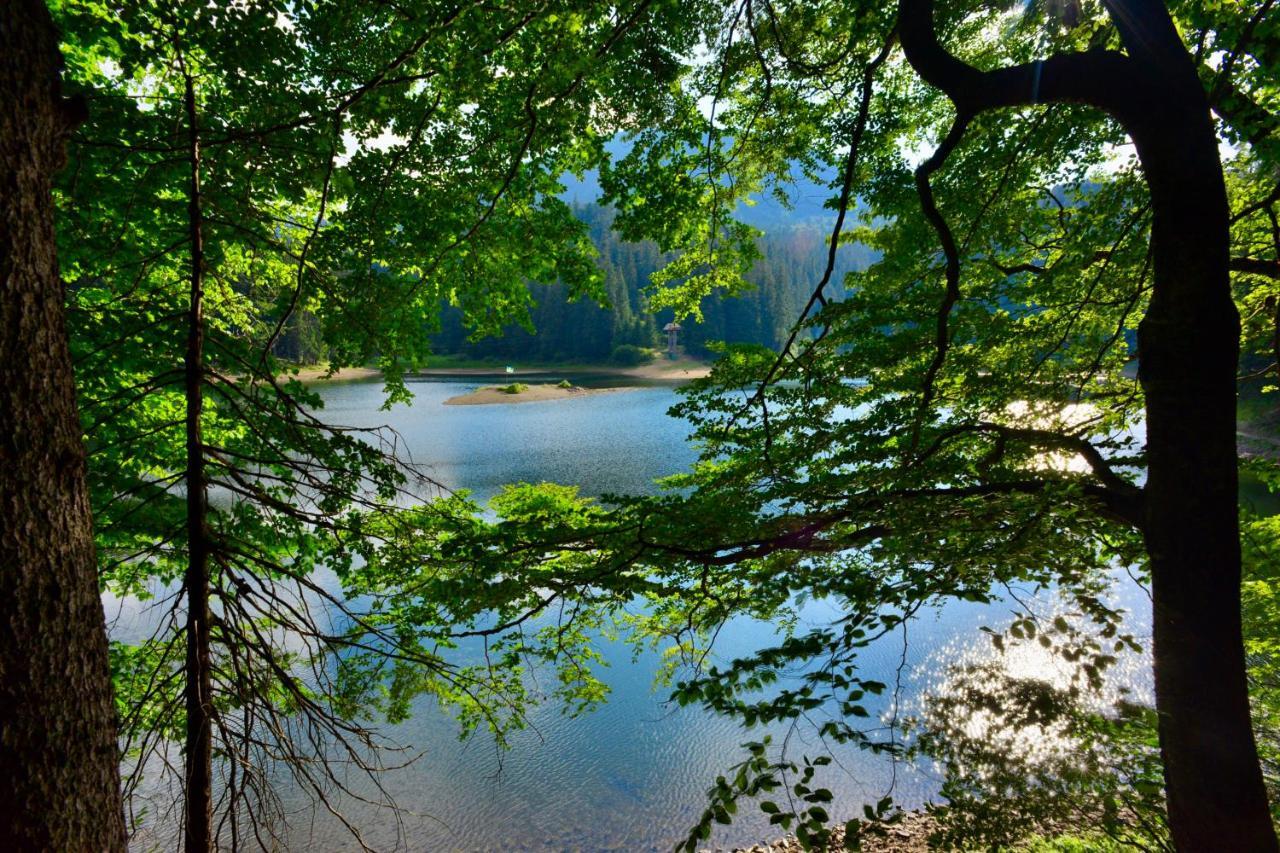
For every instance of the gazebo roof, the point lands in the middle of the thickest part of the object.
(671, 327)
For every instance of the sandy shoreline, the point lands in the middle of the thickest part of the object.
(681, 370)
(314, 373)
(491, 395)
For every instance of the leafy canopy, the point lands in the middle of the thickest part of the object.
(936, 434)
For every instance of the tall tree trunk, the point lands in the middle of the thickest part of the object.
(199, 688)
(59, 760)
(1188, 345)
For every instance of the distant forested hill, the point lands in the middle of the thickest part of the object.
(794, 257)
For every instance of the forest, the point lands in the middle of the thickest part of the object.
(790, 260)
(989, 295)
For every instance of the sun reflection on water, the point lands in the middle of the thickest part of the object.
(1017, 688)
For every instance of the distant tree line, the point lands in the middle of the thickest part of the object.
(564, 328)
(792, 260)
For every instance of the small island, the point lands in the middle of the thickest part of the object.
(518, 392)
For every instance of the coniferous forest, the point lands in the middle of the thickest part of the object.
(584, 330)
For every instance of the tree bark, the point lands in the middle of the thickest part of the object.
(198, 813)
(1188, 348)
(59, 759)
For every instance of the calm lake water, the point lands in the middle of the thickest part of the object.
(633, 774)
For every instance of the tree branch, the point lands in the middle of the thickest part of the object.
(1255, 266)
(1105, 79)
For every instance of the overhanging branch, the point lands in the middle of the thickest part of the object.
(1105, 79)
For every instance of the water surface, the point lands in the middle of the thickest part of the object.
(633, 774)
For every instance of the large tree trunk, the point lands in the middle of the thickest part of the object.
(1188, 346)
(59, 760)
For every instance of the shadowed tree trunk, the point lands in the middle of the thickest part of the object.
(1188, 347)
(198, 813)
(59, 776)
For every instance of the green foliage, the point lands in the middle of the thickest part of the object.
(362, 166)
(513, 388)
(805, 812)
(630, 356)
(903, 450)
(1046, 744)
(1261, 611)
(582, 330)
(357, 166)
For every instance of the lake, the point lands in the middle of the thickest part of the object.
(633, 774)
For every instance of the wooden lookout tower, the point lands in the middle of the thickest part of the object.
(672, 330)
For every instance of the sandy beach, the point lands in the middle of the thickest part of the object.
(680, 369)
(320, 373)
(661, 369)
(530, 394)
